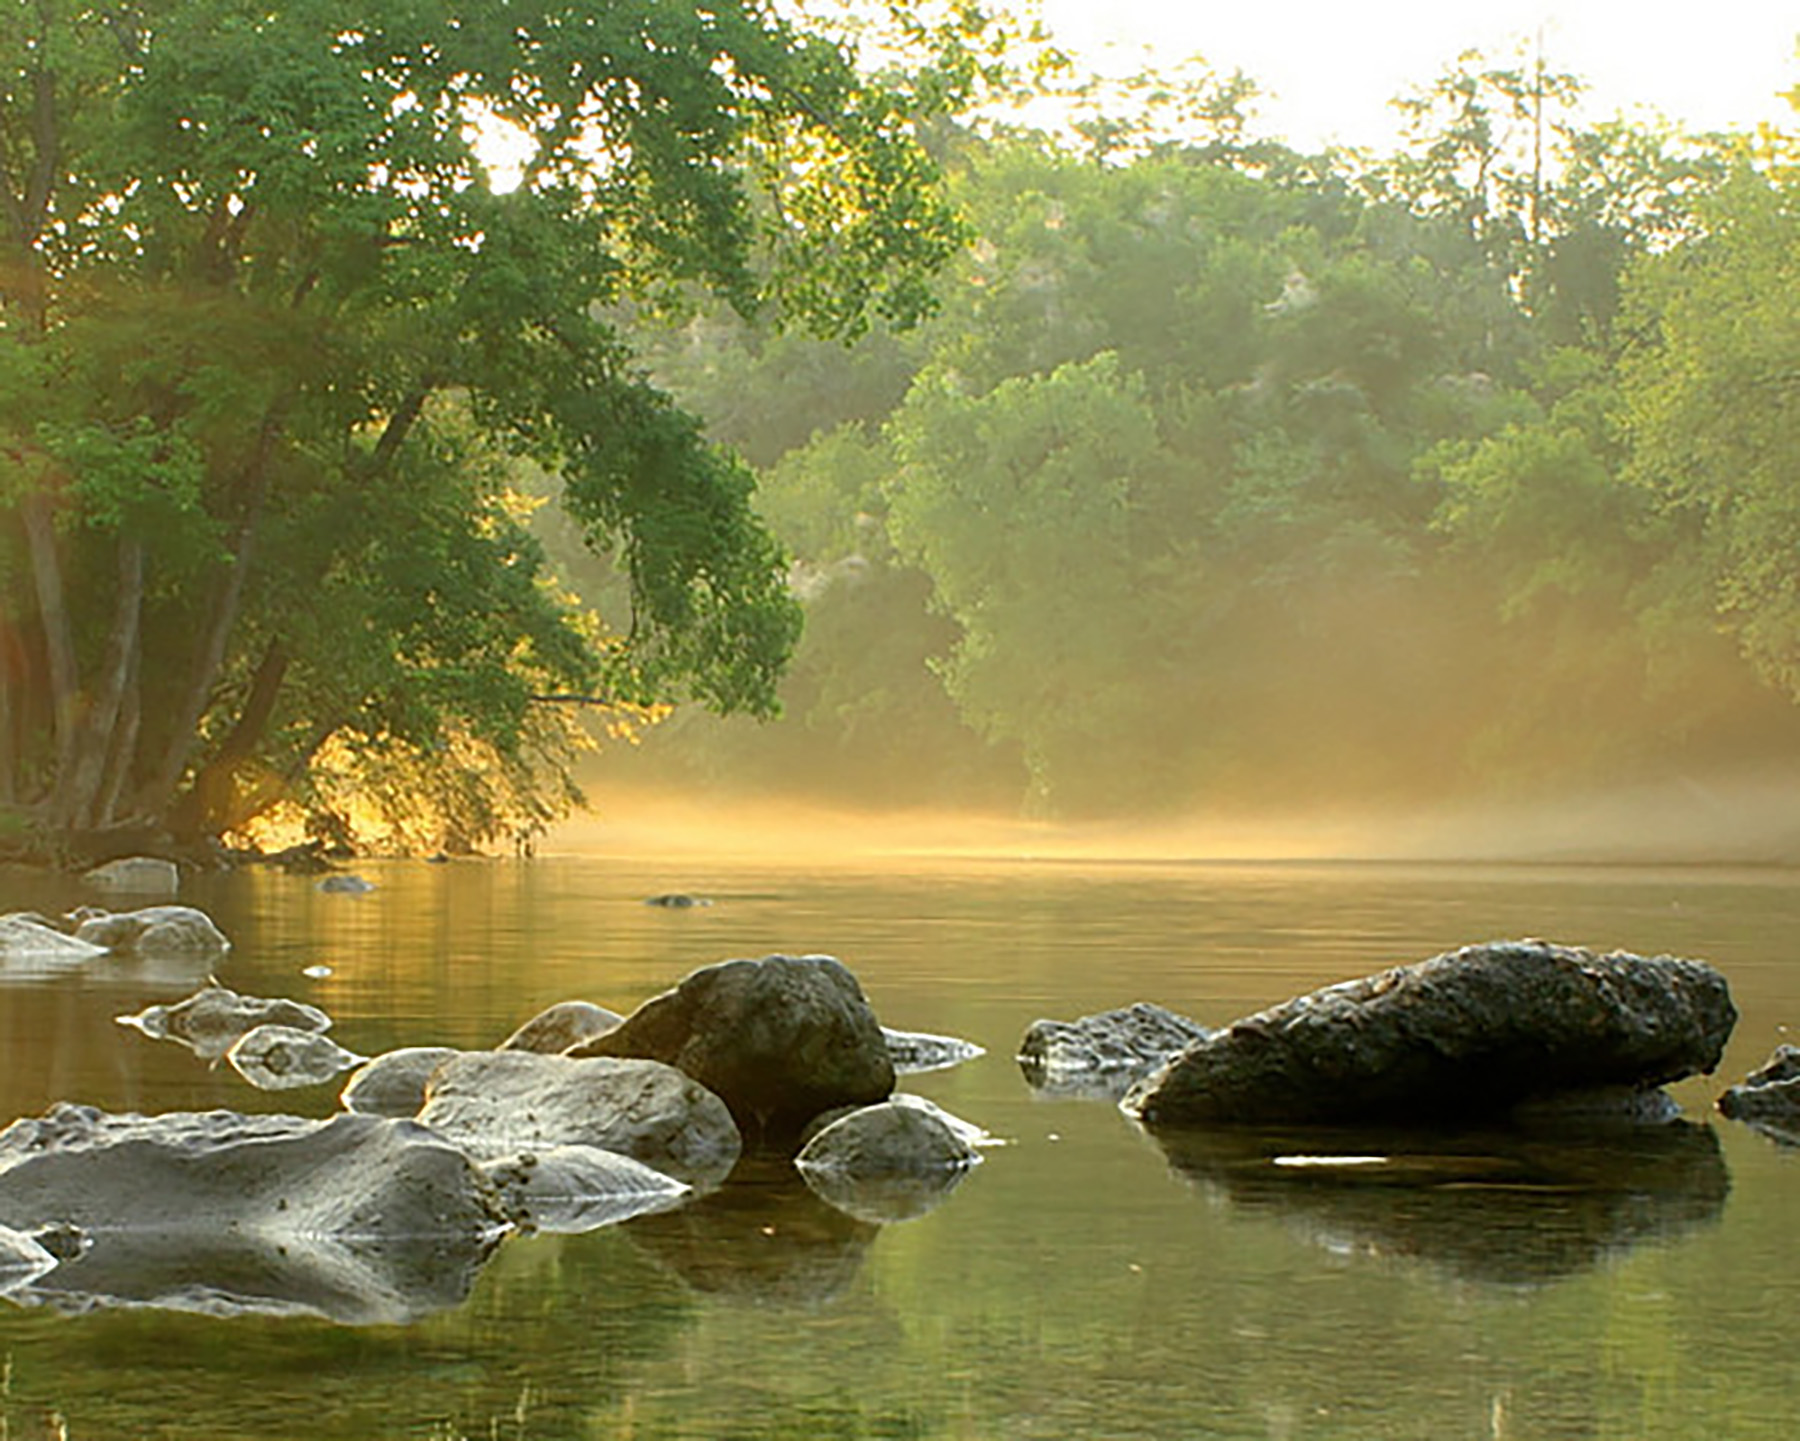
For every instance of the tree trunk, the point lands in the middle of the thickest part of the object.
(213, 804)
(53, 617)
(81, 786)
(125, 740)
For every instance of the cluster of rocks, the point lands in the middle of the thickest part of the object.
(581, 1118)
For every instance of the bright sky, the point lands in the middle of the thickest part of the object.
(1333, 65)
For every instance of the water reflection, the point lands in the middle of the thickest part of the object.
(762, 1237)
(1511, 1207)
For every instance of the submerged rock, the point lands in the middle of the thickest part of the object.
(494, 1103)
(913, 1052)
(1101, 1055)
(568, 1023)
(778, 1039)
(29, 940)
(283, 1058)
(170, 933)
(393, 1083)
(357, 1218)
(1469, 1034)
(344, 884)
(1769, 1098)
(211, 1020)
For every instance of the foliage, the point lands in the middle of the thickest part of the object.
(277, 336)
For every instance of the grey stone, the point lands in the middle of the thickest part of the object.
(1470, 1034)
(23, 1258)
(213, 1018)
(148, 875)
(778, 1039)
(157, 932)
(1101, 1055)
(29, 940)
(282, 1058)
(393, 1083)
(568, 1190)
(889, 1162)
(568, 1023)
(345, 885)
(358, 1218)
(1769, 1097)
(494, 1103)
(913, 1052)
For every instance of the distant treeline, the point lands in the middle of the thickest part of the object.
(1227, 474)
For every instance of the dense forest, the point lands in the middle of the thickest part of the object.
(1124, 461)
(1227, 476)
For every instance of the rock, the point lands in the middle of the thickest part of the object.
(157, 932)
(345, 885)
(913, 1052)
(393, 1083)
(494, 1103)
(358, 1218)
(891, 1161)
(147, 875)
(555, 1029)
(282, 1058)
(30, 940)
(1469, 1034)
(211, 1020)
(1101, 1055)
(23, 1259)
(778, 1039)
(1769, 1098)
(677, 901)
(569, 1190)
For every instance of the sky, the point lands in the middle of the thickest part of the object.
(1334, 64)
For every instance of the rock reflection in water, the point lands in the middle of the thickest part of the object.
(1512, 1207)
(763, 1237)
(225, 1272)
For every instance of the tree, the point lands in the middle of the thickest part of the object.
(275, 331)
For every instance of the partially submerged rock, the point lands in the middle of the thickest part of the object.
(891, 1161)
(778, 1039)
(27, 939)
(345, 884)
(913, 1052)
(211, 1020)
(284, 1058)
(1101, 1055)
(1769, 1098)
(23, 1258)
(495, 1103)
(358, 1218)
(556, 1028)
(156, 932)
(147, 875)
(393, 1083)
(1469, 1034)
(573, 1189)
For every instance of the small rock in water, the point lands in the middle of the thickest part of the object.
(148, 875)
(345, 885)
(677, 901)
(316, 973)
(281, 1058)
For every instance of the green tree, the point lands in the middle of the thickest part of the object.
(273, 337)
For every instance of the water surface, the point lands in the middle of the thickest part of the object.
(1083, 1282)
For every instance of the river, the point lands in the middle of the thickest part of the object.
(1082, 1282)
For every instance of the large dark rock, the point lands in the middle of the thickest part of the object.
(1469, 1034)
(1769, 1098)
(779, 1039)
(358, 1218)
(1101, 1055)
(495, 1103)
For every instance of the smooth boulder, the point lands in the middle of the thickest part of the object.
(146, 875)
(556, 1028)
(283, 1058)
(891, 1161)
(495, 1103)
(567, 1190)
(28, 940)
(1470, 1034)
(779, 1039)
(170, 933)
(394, 1083)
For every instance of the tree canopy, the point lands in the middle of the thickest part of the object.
(290, 293)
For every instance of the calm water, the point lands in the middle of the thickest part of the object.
(1082, 1283)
